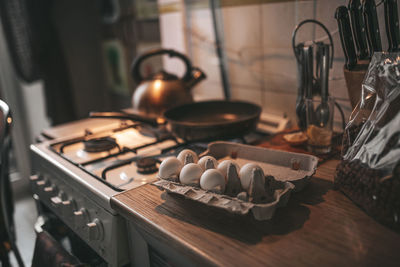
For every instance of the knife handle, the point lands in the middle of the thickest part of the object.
(346, 37)
(392, 25)
(358, 29)
(372, 26)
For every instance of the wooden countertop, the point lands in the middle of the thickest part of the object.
(319, 227)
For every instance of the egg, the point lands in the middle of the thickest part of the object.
(190, 174)
(212, 180)
(183, 156)
(246, 173)
(170, 168)
(208, 162)
(223, 167)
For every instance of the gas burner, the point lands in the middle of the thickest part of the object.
(99, 144)
(146, 165)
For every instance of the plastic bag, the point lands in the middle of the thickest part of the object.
(369, 172)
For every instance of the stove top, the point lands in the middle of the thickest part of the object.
(121, 155)
(112, 155)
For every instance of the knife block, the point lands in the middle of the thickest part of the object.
(354, 79)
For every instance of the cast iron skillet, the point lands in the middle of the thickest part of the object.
(206, 120)
(212, 119)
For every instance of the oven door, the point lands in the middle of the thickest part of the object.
(56, 241)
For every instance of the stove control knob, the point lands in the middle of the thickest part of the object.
(34, 178)
(62, 195)
(81, 217)
(68, 207)
(41, 184)
(55, 201)
(95, 230)
(50, 191)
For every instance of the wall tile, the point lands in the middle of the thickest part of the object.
(304, 10)
(243, 44)
(172, 36)
(280, 70)
(280, 103)
(338, 88)
(202, 49)
(240, 93)
(279, 21)
(337, 84)
(326, 15)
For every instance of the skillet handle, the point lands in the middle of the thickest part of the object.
(153, 121)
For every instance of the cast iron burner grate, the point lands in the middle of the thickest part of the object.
(100, 144)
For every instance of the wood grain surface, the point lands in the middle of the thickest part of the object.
(318, 227)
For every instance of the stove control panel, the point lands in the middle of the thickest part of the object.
(91, 222)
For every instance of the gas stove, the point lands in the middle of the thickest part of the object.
(121, 158)
(86, 163)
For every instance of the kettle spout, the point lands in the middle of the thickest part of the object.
(197, 76)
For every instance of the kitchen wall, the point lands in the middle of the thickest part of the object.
(257, 44)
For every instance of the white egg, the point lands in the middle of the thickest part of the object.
(190, 174)
(170, 168)
(246, 173)
(183, 154)
(213, 180)
(203, 162)
(223, 167)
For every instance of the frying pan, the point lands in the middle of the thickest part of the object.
(206, 120)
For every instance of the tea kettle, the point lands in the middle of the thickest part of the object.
(163, 90)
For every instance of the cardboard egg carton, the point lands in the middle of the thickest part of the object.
(292, 171)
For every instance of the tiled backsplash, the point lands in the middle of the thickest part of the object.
(257, 44)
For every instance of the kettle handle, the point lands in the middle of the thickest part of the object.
(135, 70)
